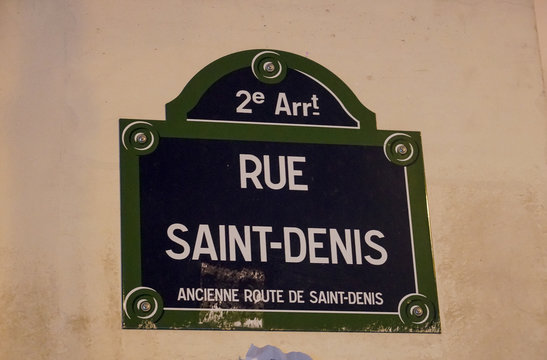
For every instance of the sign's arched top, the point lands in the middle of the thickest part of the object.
(269, 87)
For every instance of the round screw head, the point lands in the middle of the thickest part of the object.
(146, 306)
(141, 138)
(417, 311)
(269, 66)
(401, 149)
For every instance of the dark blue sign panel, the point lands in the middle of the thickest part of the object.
(268, 200)
(286, 218)
(298, 100)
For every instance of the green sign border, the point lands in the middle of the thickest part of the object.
(143, 307)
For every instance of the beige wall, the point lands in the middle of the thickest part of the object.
(541, 24)
(465, 73)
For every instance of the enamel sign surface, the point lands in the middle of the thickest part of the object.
(268, 200)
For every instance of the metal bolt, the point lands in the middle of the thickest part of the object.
(401, 149)
(417, 311)
(269, 66)
(141, 138)
(146, 306)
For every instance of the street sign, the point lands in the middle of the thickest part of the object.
(268, 200)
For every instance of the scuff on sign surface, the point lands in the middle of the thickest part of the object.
(269, 200)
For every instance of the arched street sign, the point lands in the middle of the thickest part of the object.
(269, 200)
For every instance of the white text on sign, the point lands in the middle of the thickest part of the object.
(282, 107)
(311, 245)
(287, 171)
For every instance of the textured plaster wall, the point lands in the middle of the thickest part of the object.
(540, 7)
(466, 74)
